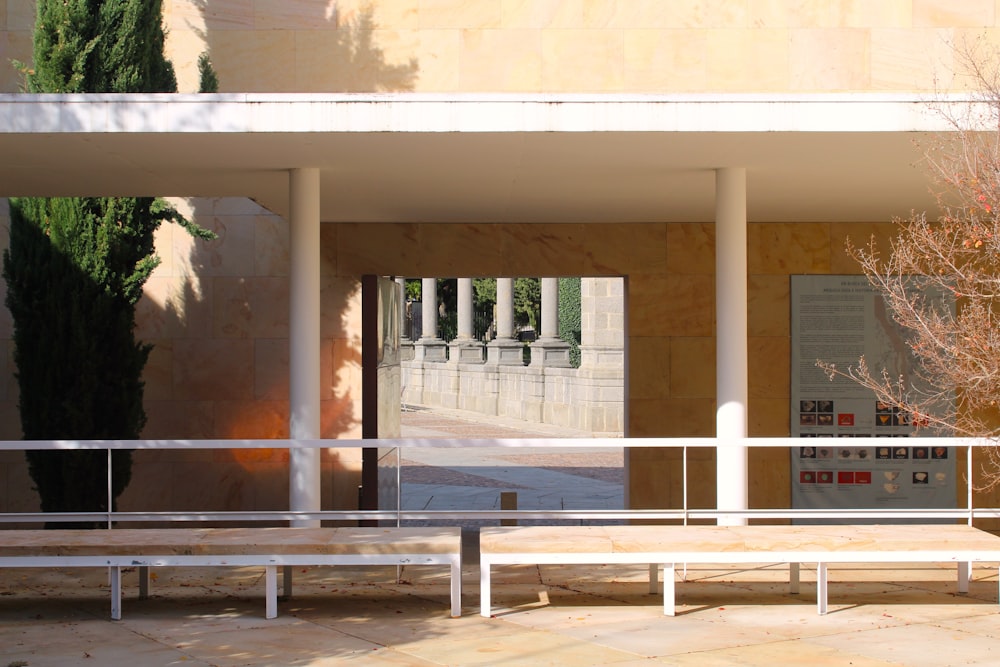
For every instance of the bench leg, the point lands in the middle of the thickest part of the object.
(456, 587)
(271, 591)
(821, 589)
(964, 575)
(116, 593)
(793, 578)
(654, 578)
(484, 588)
(669, 583)
(286, 581)
(143, 582)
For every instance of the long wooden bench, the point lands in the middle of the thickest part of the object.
(267, 547)
(669, 545)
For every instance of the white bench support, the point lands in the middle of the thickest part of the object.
(213, 547)
(143, 582)
(654, 581)
(822, 589)
(116, 593)
(669, 588)
(734, 545)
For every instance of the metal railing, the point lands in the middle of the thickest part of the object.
(683, 513)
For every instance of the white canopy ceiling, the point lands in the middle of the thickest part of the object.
(420, 158)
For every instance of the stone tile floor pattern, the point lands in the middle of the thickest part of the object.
(544, 479)
(551, 615)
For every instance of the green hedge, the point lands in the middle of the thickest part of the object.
(569, 316)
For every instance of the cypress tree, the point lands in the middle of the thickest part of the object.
(76, 266)
(208, 80)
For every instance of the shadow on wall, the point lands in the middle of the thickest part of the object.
(219, 315)
(217, 312)
(301, 47)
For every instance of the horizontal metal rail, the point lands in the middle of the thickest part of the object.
(434, 443)
(685, 514)
(530, 515)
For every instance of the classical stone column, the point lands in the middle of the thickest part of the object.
(550, 308)
(505, 307)
(465, 348)
(304, 341)
(429, 309)
(731, 339)
(505, 350)
(549, 349)
(401, 283)
(429, 347)
(405, 342)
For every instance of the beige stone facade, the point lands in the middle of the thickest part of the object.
(520, 46)
(217, 312)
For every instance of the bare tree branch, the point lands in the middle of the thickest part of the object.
(952, 259)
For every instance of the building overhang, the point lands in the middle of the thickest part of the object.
(485, 158)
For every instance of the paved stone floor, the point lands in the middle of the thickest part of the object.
(543, 616)
(549, 615)
(567, 478)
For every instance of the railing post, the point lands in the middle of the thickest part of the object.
(110, 492)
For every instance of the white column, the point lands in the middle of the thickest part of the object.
(550, 308)
(505, 308)
(429, 308)
(303, 339)
(464, 331)
(731, 337)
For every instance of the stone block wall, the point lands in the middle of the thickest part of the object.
(572, 46)
(581, 399)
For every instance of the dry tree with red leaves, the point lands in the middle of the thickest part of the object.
(940, 278)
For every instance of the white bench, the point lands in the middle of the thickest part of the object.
(670, 545)
(267, 547)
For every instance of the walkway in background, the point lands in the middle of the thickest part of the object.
(473, 478)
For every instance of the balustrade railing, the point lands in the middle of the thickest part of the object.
(683, 513)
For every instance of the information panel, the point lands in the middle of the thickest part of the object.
(838, 319)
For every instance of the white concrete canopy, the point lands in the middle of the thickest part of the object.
(433, 158)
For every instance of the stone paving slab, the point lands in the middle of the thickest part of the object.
(552, 615)
(472, 479)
